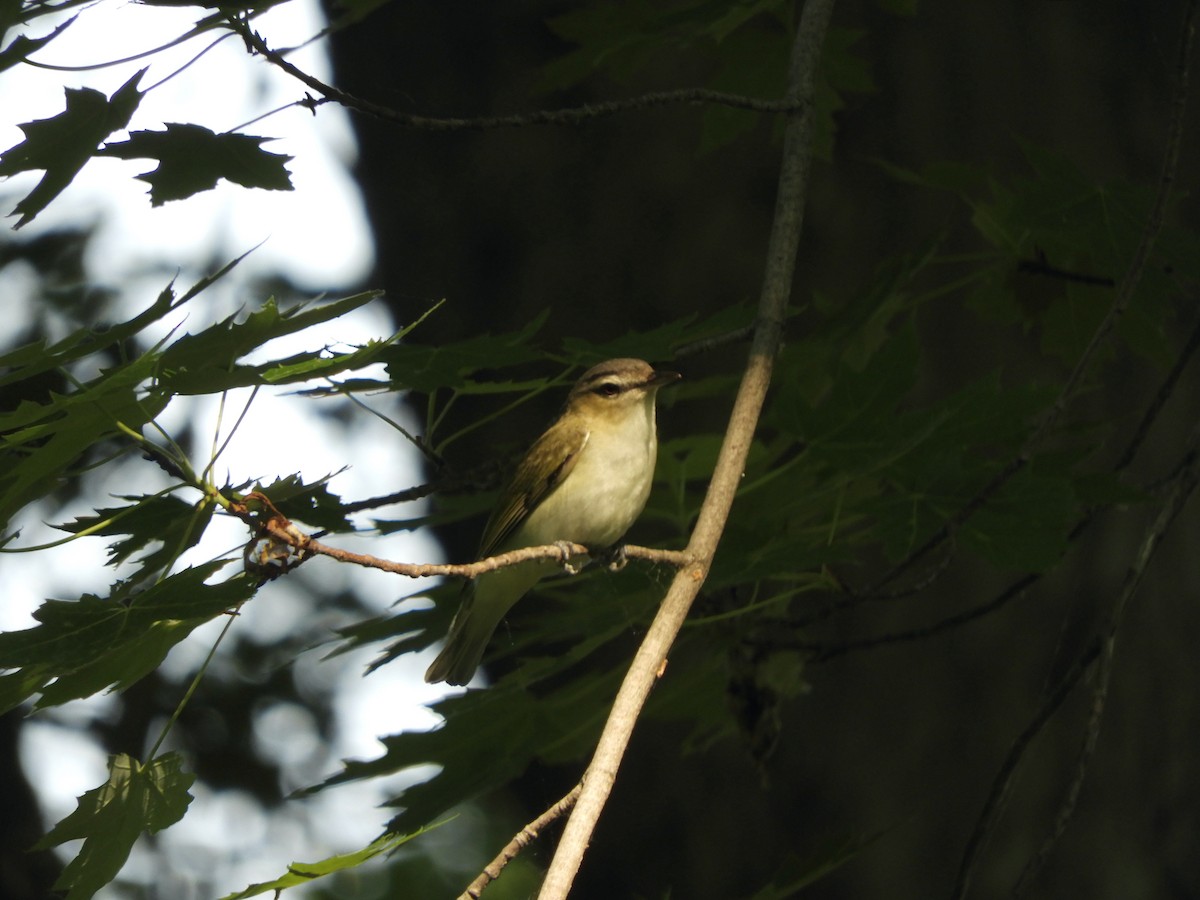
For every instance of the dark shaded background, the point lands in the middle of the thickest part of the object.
(619, 224)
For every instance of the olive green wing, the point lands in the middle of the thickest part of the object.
(541, 470)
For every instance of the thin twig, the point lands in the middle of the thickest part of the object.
(567, 116)
(1187, 475)
(704, 345)
(824, 652)
(651, 656)
(1041, 266)
(1002, 784)
(521, 839)
(285, 533)
(1160, 399)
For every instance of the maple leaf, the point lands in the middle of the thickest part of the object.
(62, 145)
(191, 159)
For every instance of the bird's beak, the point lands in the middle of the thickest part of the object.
(659, 379)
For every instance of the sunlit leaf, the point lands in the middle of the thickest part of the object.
(137, 799)
(168, 521)
(304, 873)
(91, 643)
(206, 362)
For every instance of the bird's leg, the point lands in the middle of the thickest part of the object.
(564, 547)
(615, 558)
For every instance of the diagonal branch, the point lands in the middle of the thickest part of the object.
(1102, 649)
(520, 841)
(777, 285)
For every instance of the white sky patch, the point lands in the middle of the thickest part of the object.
(316, 235)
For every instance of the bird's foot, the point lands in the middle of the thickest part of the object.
(564, 548)
(615, 558)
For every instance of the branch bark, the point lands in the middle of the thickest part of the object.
(568, 116)
(282, 533)
(777, 284)
(521, 839)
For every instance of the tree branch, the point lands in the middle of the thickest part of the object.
(777, 285)
(523, 838)
(567, 116)
(1102, 648)
(822, 652)
(282, 533)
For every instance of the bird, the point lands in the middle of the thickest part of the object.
(584, 481)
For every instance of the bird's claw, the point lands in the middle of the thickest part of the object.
(616, 558)
(564, 548)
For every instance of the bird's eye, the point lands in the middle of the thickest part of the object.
(608, 389)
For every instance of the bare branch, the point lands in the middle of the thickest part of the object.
(1160, 399)
(567, 116)
(289, 547)
(523, 838)
(650, 658)
(703, 345)
(1102, 648)
(1039, 265)
(564, 551)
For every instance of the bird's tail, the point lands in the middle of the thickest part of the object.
(484, 604)
(468, 638)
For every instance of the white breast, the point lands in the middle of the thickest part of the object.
(607, 489)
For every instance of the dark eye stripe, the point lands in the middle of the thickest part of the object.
(608, 389)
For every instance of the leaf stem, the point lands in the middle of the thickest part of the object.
(183, 701)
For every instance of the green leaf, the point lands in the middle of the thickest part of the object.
(136, 799)
(128, 662)
(619, 38)
(426, 368)
(167, 520)
(1024, 527)
(95, 642)
(305, 873)
(18, 51)
(62, 145)
(752, 62)
(850, 423)
(841, 72)
(192, 159)
(206, 362)
(33, 359)
(311, 503)
(42, 439)
(491, 736)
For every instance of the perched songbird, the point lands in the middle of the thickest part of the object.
(585, 481)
